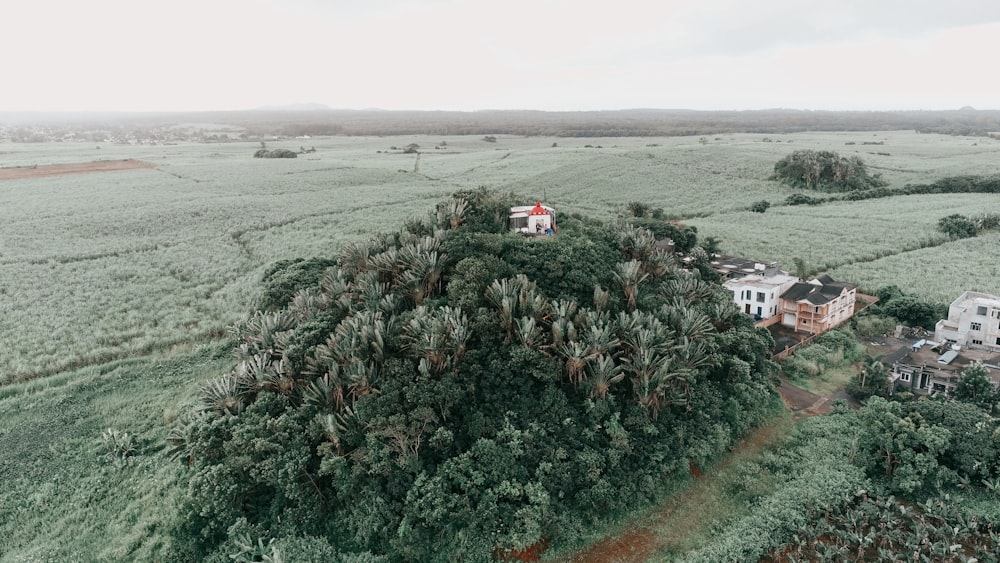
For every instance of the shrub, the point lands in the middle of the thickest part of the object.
(276, 153)
(958, 226)
(760, 206)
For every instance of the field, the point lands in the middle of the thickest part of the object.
(116, 287)
(108, 265)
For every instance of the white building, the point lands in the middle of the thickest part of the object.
(532, 219)
(759, 293)
(973, 321)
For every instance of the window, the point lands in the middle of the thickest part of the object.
(817, 309)
(904, 377)
(976, 326)
(998, 341)
(759, 314)
(979, 342)
(760, 296)
(805, 321)
(981, 311)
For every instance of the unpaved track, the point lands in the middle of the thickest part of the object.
(45, 170)
(639, 543)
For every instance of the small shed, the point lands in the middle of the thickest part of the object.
(532, 219)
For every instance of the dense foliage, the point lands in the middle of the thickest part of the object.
(910, 481)
(452, 391)
(826, 171)
(909, 309)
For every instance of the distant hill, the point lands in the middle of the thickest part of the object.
(312, 106)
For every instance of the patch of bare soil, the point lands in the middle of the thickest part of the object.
(801, 402)
(45, 170)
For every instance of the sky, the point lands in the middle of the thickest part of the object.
(559, 55)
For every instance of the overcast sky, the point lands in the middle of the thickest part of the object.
(139, 55)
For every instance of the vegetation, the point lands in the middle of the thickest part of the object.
(118, 327)
(825, 363)
(826, 171)
(423, 403)
(275, 153)
(910, 482)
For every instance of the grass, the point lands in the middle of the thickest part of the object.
(688, 519)
(831, 380)
(62, 499)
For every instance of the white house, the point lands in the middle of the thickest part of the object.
(759, 293)
(532, 219)
(973, 321)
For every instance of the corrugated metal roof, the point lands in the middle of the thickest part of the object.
(947, 357)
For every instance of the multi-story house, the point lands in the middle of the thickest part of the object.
(759, 293)
(973, 322)
(817, 305)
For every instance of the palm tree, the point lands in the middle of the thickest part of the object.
(223, 396)
(601, 298)
(326, 392)
(576, 356)
(265, 333)
(600, 339)
(629, 276)
(603, 373)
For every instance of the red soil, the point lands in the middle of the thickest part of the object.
(45, 170)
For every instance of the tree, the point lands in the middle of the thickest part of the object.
(976, 387)
(912, 311)
(958, 226)
(825, 170)
(901, 447)
(870, 380)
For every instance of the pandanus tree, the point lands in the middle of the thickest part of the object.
(603, 373)
(628, 276)
(437, 337)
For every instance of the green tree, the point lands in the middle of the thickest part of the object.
(975, 387)
(901, 447)
(958, 226)
(825, 170)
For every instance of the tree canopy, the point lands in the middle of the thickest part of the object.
(825, 171)
(452, 391)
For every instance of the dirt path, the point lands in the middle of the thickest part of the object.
(680, 516)
(683, 514)
(45, 170)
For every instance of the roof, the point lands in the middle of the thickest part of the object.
(818, 291)
(735, 266)
(537, 209)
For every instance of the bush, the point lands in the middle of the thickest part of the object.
(803, 199)
(760, 206)
(276, 153)
(958, 226)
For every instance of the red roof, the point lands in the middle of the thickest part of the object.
(538, 209)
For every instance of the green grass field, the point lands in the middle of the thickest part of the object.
(115, 288)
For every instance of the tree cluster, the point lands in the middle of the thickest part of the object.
(453, 391)
(825, 171)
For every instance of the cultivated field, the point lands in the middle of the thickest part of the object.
(107, 265)
(116, 285)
